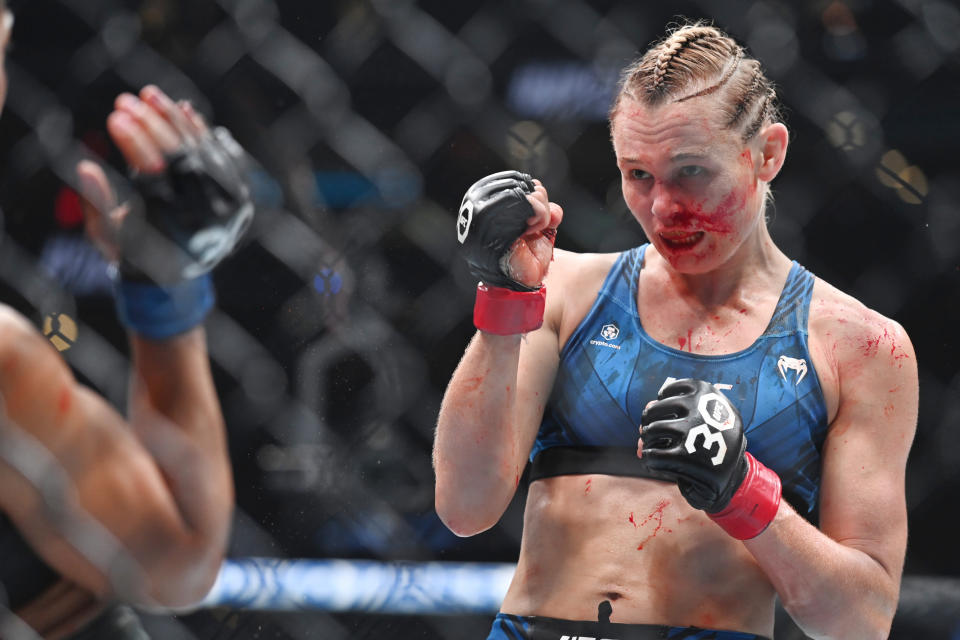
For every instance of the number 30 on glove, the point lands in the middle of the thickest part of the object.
(693, 433)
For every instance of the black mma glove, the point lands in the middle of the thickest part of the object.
(182, 224)
(493, 214)
(693, 433)
(190, 217)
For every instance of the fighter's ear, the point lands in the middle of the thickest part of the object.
(773, 141)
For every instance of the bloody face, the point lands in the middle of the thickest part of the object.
(691, 183)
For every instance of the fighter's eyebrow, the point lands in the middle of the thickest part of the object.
(677, 157)
(687, 155)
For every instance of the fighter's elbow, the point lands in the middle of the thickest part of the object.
(861, 632)
(464, 524)
(463, 517)
(819, 624)
(186, 577)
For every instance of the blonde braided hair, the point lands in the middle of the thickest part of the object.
(696, 60)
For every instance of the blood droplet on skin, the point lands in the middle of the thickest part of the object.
(888, 410)
(472, 384)
(63, 402)
(682, 341)
(747, 160)
(657, 515)
(871, 347)
(586, 487)
(716, 221)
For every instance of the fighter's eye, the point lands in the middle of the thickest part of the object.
(639, 174)
(691, 170)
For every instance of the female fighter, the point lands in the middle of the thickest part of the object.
(775, 413)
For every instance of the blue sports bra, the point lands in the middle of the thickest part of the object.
(610, 368)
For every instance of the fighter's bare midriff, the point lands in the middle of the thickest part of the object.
(637, 544)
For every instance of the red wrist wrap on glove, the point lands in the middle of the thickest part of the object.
(505, 312)
(754, 505)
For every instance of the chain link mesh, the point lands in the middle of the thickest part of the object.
(341, 318)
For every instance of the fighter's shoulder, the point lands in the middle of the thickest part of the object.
(572, 282)
(22, 347)
(14, 327)
(579, 270)
(851, 330)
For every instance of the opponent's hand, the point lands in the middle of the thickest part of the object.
(143, 129)
(507, 227)
(194, 202)
(692, 432)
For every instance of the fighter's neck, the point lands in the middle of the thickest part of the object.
(757, 265)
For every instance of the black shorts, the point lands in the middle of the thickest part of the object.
(510, 627)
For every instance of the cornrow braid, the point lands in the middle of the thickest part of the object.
(755, 88)
(723, 80)
(670, 51)
(697, 60)
(766, 110)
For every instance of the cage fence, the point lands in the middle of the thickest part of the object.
(343, 314)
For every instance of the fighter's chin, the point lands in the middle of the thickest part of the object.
(691, 254)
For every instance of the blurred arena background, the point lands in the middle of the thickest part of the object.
(342, 317)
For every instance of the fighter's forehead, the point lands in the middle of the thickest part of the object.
(674, 130)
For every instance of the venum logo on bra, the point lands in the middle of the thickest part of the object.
(565, 637)
(799, 365)
(609, 331)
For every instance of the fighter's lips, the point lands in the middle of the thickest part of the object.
(681, 240)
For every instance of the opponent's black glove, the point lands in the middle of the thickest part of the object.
(493, 214)
(694, 434)
(190, 217)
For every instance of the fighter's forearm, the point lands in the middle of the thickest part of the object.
(831, 590)
(476, 456)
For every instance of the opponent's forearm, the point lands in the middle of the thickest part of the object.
(176, 414)
(830, 590)
(173, 377)
(476, 451)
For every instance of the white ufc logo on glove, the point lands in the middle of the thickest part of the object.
(716, 412)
